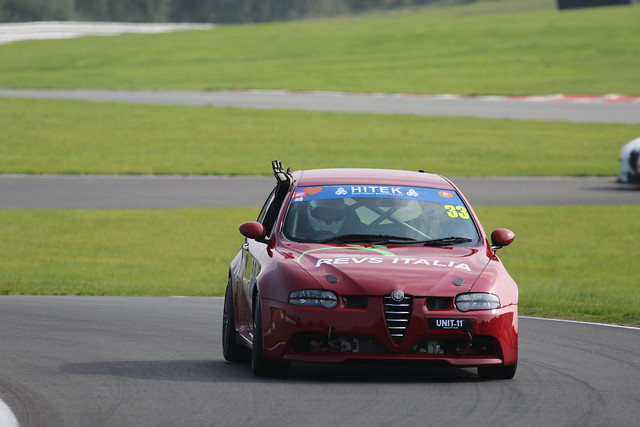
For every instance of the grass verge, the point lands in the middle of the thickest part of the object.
(499, 47)
(187, 252)
(573, 262)
(153, 252)
(74, 137)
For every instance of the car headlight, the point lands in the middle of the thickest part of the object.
(477, 301)
(314, 298)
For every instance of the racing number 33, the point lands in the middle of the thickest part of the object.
(457, 211)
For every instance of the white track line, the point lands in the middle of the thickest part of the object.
(45, 30)
(582, 323)
(7, 418)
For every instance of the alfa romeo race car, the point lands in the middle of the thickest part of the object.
(369, 265)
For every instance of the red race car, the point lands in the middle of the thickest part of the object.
(370, 265)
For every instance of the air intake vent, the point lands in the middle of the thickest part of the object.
(439, 303)
(397, 315)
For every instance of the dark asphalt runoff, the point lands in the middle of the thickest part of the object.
(487, 107)
(124, 361)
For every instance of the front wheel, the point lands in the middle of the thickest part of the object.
(261, 366)
(504, 372)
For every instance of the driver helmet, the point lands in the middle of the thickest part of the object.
(326, 215)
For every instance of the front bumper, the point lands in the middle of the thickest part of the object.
(311, 334)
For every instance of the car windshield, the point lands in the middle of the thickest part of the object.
(379, 215)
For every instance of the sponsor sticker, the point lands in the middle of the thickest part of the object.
(377, 191)
(404, 261)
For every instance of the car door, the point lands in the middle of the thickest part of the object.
(253, 251)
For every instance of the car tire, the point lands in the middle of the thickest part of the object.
(261, 366)
(504, 372)
(231, 349)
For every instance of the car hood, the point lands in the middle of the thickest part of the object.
(378, 270)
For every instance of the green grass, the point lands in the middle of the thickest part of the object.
(43, 136)
(118, 252)
(187, 252)
(507, 47)
(573, 262)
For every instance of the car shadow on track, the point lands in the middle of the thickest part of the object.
(619, 187)
(382, 373)
(221, 371)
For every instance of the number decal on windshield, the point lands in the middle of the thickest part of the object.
(457, 211)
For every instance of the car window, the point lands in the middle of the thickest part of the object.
(266, 206)
(411, 213)
(271, 208)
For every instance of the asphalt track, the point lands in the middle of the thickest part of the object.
(139, 191)
(102, 361)
(80, 361)
(530, 108)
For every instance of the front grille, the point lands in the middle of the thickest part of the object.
(397, 315)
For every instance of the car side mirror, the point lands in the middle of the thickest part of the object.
(253, 230)
(501, 237)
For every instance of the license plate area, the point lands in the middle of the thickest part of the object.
(451, 323)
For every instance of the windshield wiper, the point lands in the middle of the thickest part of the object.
(380, 239)
(446, 241)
